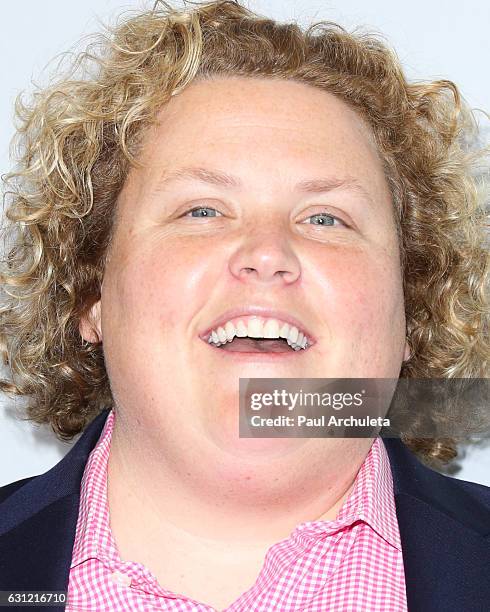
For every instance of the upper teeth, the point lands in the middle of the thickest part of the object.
(258, 327)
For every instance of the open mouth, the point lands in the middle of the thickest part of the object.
(258, 345)
(253, 334)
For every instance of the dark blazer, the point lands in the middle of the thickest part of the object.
(444, 528)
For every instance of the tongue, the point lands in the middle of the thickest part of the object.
(250, 345)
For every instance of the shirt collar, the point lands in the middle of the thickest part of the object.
(371, 500)
(93, 537)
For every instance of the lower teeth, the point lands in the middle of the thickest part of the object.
(295, 347)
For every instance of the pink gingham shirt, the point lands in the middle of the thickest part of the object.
(353, 563)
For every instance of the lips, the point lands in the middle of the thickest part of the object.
(258, 329)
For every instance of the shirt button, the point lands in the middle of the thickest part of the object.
(120, 578)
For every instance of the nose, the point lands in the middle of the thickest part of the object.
(265, 257)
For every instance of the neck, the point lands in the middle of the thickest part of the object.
(253, 506)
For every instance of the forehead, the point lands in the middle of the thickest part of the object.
(268, 113)
(272, 134)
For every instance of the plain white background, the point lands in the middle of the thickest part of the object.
(432, 39)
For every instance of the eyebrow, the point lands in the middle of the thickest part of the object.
(222, 179)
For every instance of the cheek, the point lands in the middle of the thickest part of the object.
(158, 285)
(362, 292)
(375, 298)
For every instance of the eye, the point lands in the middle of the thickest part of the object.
(323, 219)
(202, 212)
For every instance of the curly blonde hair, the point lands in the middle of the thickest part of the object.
(79, 136)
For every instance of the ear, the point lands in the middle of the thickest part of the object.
(407, 353)
(90, 327)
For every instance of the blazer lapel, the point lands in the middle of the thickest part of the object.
(38, 522)
(444, 532)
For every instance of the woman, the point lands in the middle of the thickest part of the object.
(225, 172)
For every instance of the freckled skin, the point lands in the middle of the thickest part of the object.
(167, 278)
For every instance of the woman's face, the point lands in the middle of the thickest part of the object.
(301, 228)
